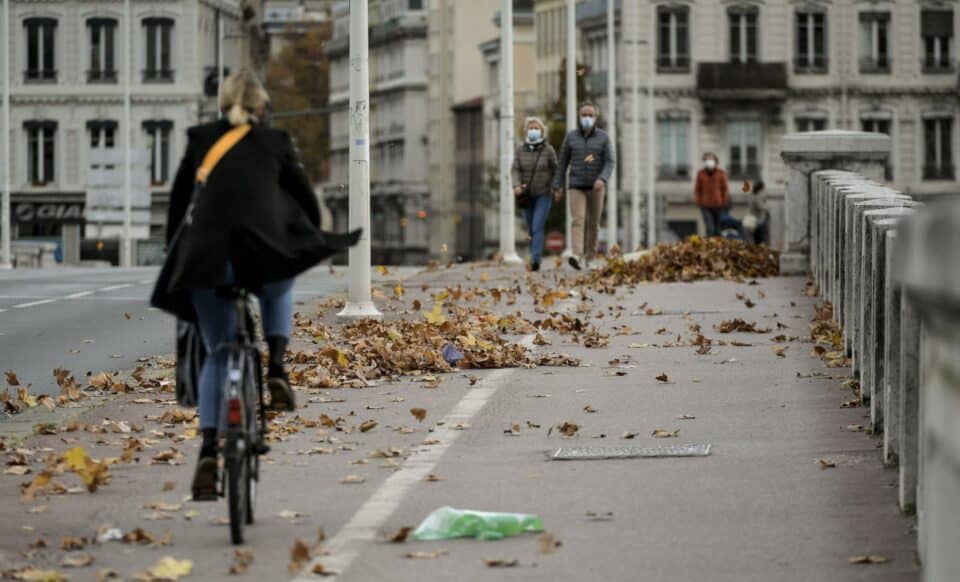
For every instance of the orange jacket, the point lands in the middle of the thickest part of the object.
(712, 190)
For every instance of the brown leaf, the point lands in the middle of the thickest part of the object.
(76, 560)
(870, 559)
(419, 413)
(628, 435)
(12, 378)
(825, 464)
(69, 543)
(781, 351)
(242, 558)
(590, 409)
(662, 433)
(663, 377)
(548, 543)
(426, 555)
(368, 425)
(352, 480)
(514, 430)
(566, 429)
(400, 535)
(127, 316)
(500, 563)
(299, 556)
(433, 478)
(686, 417)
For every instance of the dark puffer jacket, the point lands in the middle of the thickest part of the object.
(590, 157)
(523, 161)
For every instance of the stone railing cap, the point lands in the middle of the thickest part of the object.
(854, 144)
(926, 253)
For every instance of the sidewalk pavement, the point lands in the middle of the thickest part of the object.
(791, 489)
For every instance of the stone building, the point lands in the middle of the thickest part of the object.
(68, 68)
(399, 188)
(734, 77)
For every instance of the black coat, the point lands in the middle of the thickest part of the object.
(257, 211)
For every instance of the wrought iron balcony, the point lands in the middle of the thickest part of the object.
(752, 81)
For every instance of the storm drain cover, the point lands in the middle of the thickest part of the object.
(594, 453)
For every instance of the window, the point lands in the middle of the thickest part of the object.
(811, 42)
(874, 42)
(102, 35)
(416, 4)
(40, 49)
(40, 151)
(744, 139)
(158, 144)
(936, 28)
(103, 136)
(673, 161)
(673, 44)
(158, 36)
(811, 122)
(938, 148)
(878, 122)
(743, 34)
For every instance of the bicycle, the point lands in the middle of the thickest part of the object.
(244, 422)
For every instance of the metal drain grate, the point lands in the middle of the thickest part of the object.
(598, 453)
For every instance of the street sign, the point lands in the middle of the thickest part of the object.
(554, 241)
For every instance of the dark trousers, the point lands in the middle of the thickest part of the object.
(711, 219)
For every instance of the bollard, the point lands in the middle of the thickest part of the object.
(891, 355)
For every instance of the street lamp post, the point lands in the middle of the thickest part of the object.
(126, 249)
(651, 146)
(635, 138)
(508, 237)
(359, 302)
(612, 203)
(571, 110)
(6, 259)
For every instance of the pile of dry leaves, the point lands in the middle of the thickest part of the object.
(692, 259)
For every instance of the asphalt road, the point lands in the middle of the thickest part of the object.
(94, 320)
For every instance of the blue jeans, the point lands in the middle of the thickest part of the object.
(536, 218)
(217, 317)
(711, 219)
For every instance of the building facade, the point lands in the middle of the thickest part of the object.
(400, 195)
(69, 65)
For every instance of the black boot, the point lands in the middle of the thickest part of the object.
(204, 486)
(281, 394)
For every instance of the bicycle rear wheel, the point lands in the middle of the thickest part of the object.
(252, 478)
(238, 489)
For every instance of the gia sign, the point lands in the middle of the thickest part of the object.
(49, 212)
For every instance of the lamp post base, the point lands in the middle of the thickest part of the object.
(362, 310)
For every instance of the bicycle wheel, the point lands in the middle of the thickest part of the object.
(238, 488)
(251, 499)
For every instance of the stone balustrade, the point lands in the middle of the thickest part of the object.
(888, 264)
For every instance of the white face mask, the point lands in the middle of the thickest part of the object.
(710, 164)
(533, 134)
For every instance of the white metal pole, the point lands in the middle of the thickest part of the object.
(6, 223)
(571, 110)
(651, 147)
(126, 247)
(635, 138)
(359, 302)
(612, 203)
(508, 238)
(219, 59)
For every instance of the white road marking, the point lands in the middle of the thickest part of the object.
(145, 282)
(115, 287)
(34, 303)
(80, 294)
(366, 523)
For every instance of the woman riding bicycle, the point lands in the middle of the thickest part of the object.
(253, 225)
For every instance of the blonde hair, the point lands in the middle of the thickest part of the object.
(242, 97)
(538, 121)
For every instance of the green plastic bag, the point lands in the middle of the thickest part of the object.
(447, 523)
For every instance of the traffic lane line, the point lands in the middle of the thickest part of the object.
(34, 303)
(115, 287)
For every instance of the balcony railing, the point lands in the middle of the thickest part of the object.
(97, 76)
(763, 81)
(938, 172)
(806, 65)
(744, 171)
(941, 66)
(673, 172)
(158, 75)
(40, 75)
(878, 66)
(679, 64)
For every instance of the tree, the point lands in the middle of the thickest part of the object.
(298, 79)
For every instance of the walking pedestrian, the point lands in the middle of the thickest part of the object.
(589, 154)
(242, 214)
(712, 193)
(534, 163)
(758, 217)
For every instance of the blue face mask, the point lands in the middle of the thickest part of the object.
(533, 134)
(586, 123)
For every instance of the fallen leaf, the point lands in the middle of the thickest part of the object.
(17, 470)
(37, 575)
(12, 378)
(69, 543)
(433, 478)
(566, 429)
(76, 561)
(781, 351)
(825, 464)
(290, 514)
(426, 555)
(855, 427)
(663, 377)
(242, 558)
(686, 417)
(299, 556)
(514, 430)
(127, 316)
(662, 433)
(628, 435)
(169, 485)
(104, 575)
(368, 425)
(400, 535)
(590, 409)
(170, 568)
(595, 516)
(870, 559)
(500, 563)
(548, 543)
(419, 413)
(352, 480)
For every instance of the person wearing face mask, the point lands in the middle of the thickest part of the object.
(712, 193)
(589, 154)
(534, 163)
